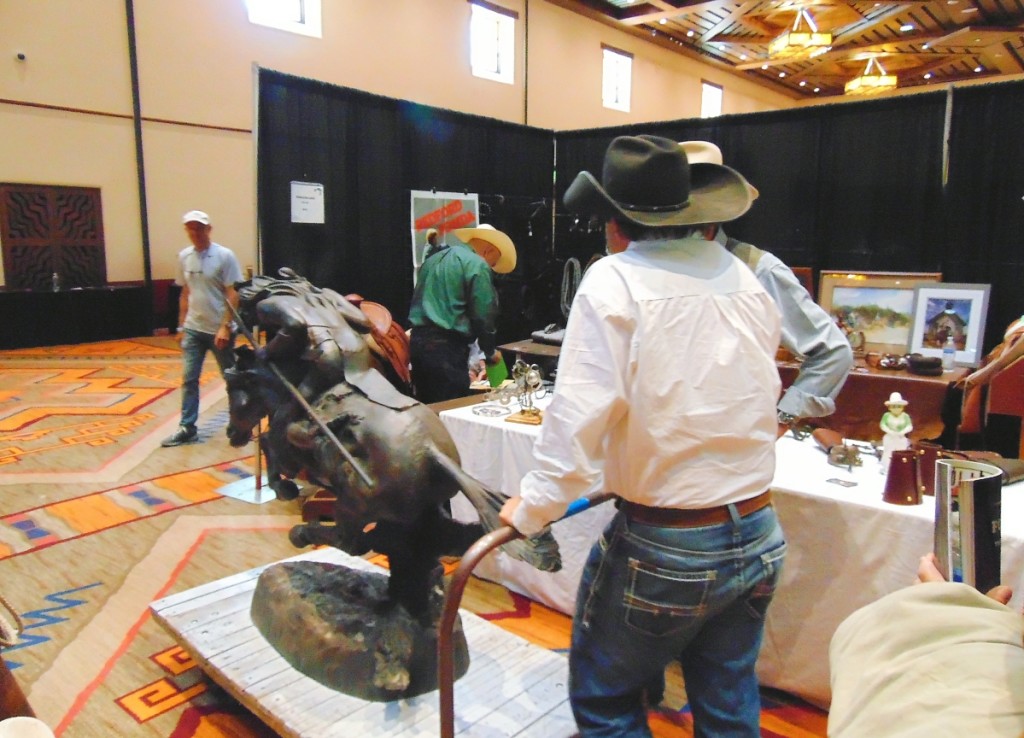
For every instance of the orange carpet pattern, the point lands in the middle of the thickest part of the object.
(88, 412)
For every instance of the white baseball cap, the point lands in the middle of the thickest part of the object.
(196, 216)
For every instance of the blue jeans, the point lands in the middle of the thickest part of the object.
(649, 595)
(194, 346)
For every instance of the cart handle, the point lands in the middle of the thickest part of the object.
(453, 597)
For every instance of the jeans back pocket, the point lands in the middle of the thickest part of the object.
(660, 601)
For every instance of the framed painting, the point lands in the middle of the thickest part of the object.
(874, 309)
(947, 310)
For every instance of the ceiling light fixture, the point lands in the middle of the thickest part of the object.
(802, 38)
(871, 81)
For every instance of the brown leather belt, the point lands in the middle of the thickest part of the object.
(671, 517)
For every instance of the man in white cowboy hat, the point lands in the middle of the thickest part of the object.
(666, 396)
(807, 330)
(454, 304)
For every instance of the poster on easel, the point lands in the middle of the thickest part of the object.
(445, 211)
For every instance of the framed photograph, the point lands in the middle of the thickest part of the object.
(874, 309)
(943, 310)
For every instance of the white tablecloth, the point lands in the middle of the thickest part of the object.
(846, 547)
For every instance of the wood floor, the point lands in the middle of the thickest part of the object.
(97, 521)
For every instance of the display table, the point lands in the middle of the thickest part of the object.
(860, 403)
(846, 547)
(73, 316)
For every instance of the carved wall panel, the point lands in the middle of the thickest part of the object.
(48, 228)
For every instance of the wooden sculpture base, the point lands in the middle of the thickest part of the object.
(512, 688)
(528, 417)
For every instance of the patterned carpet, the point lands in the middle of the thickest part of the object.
(97, 521)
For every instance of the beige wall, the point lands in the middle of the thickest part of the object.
(66, 110)
(565, 67)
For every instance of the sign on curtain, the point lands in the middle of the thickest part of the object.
(444, 211)
(307, 202)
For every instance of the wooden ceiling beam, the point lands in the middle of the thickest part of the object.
(735, 16)
(668, 12)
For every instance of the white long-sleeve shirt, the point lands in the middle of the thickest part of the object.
(666, 389)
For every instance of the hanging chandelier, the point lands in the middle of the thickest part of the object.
(803, 38)
(871, 81)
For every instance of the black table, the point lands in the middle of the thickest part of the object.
(37, 318)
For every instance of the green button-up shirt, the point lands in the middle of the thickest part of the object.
(455, 291)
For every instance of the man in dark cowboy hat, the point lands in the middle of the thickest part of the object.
(665, 395)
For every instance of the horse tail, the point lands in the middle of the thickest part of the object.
(540, 551)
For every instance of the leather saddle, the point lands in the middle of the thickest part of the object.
(387, 339)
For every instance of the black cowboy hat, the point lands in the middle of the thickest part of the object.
(648, 181)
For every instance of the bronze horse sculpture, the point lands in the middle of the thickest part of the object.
(387, 458)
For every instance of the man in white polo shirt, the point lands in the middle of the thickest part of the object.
(207, 273)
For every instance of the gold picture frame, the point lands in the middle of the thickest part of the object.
(874, 309)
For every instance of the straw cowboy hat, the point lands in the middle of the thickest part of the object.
(705, 152)
(896, 399)
(484, 232)
(647, 180)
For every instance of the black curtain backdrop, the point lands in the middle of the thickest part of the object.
(984, 237)
(853, 186)
(369, 152)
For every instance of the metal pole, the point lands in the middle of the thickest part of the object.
(457, 585)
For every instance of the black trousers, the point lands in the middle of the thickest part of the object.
(440, 364)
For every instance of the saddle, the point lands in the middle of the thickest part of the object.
(387, 339)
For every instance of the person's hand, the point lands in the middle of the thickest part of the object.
(223, 337)
(478, 372)
(509, 509)
(178, 335)
(495, 358)
(928, 571)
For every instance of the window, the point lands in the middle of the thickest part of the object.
(710, 100)
(617, 79)
(492, 32)
(297, 16)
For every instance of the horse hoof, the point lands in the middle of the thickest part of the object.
(297, 536)
(285, 489)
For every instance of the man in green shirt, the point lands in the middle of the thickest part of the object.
(454, 304)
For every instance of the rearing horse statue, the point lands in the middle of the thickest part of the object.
(387, 458)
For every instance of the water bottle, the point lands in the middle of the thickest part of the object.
(949, 354)
(55, 282)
